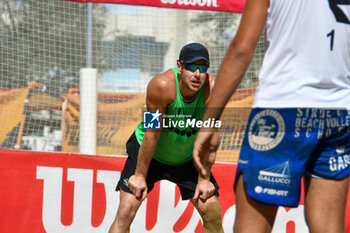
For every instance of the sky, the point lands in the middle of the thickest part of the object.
(119, 9)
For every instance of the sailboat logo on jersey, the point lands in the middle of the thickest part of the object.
(266, 130)
(279, 174)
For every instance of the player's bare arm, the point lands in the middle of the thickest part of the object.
(234, 65)
(238, 56)
(160, 92)
(205, 189)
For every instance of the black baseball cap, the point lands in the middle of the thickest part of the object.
(194, 52)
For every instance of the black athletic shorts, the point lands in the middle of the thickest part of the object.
(184, 175)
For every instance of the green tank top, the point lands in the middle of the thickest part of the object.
(176, 141)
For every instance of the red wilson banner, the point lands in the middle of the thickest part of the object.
(59, 193)
(210, 5)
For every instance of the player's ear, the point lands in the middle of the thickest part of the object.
(179, 66)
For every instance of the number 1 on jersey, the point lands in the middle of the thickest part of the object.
(331, 35)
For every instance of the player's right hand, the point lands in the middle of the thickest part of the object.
(138, 186)
(204, 190)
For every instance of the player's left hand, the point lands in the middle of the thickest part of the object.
(204, 190)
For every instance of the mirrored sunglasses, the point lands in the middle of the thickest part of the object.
(193, 67)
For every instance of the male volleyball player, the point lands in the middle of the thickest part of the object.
(299, 124)
(179, 94)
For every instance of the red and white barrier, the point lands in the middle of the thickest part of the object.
(57, 192)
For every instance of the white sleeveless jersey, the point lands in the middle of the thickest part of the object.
(307, 62)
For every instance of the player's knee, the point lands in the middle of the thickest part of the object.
(212, 217)
(329, 224)
(126, 212)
